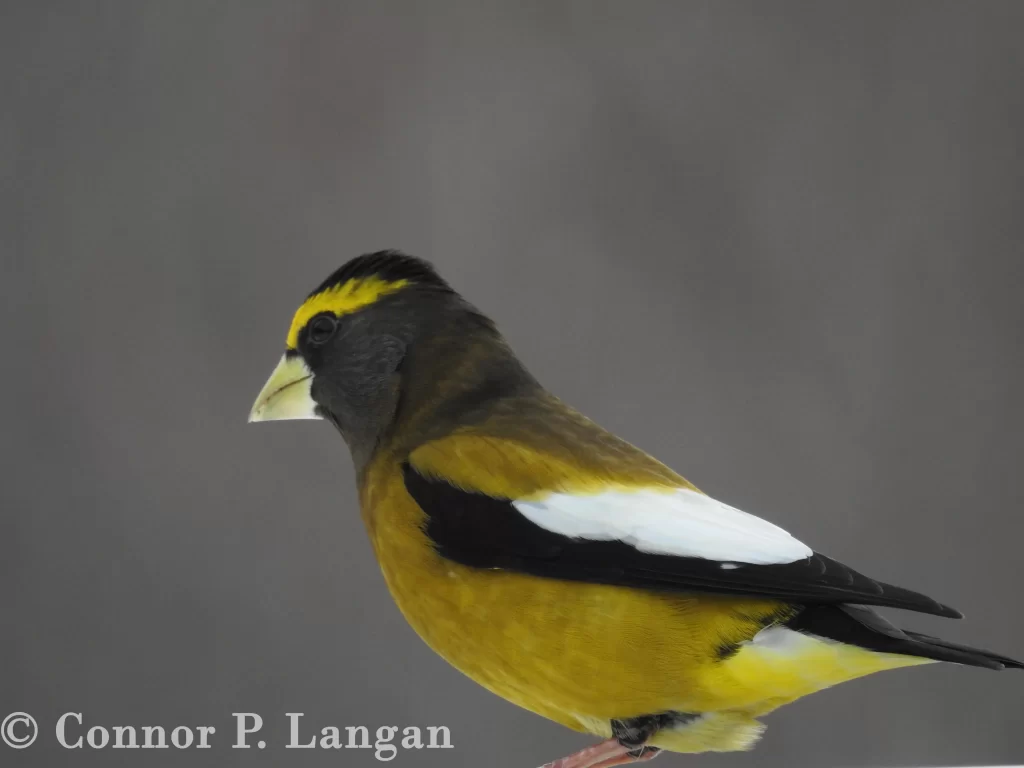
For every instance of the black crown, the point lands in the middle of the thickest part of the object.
(390, 266)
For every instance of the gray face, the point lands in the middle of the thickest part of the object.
(355, 369)
(424, 357)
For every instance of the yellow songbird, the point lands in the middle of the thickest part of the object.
(554, 563)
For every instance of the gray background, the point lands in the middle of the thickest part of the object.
(776, 244)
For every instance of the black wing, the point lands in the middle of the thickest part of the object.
(484, 532)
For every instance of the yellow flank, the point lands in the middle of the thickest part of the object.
(582, 654)
(341, 300)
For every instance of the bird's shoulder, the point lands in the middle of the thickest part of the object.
(529, 447)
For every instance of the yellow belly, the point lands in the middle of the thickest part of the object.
(583, 654)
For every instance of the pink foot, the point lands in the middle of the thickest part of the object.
(607, 754)
(650, 754)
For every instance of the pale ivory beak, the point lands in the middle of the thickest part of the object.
(286, 394)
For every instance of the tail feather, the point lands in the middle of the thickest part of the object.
(857, 625)
(961, 654)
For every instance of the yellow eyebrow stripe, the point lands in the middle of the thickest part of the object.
(341, 300)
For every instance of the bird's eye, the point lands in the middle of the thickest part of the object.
(321, 329)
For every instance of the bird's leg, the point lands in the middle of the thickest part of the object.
(596, 756)
(627, 744)
(607, 754)
(641, 755)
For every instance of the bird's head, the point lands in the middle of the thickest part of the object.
(379, 331)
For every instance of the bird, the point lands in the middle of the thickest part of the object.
(556, 564)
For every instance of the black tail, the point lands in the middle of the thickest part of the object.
(857, 625)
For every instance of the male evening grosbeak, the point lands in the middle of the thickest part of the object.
(554, 563)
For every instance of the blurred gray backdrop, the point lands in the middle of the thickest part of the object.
(776, 244)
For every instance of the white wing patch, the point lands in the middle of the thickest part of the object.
(676, 522)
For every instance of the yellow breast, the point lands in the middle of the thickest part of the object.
(577, 653)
